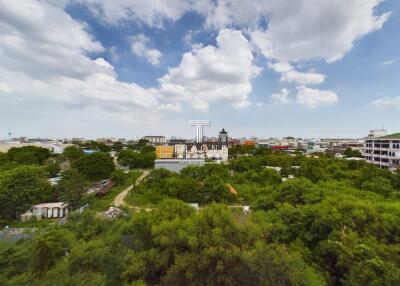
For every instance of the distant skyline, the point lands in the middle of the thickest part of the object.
(127, 68)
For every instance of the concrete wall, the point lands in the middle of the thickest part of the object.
(176, 165)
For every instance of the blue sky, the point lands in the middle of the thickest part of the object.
(92, 68)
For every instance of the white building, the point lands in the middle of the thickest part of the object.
(156, 139)
(46, 210)
(176, 165)
(382, 150)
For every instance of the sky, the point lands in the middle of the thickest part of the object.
(130, 68)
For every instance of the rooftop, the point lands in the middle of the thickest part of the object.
(50, 205)
(391, 136)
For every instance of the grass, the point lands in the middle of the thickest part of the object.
(103, 203)
(138, 200)
(33, 223)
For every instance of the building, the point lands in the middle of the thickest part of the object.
(46, 210)
(382, 150)
(156, 140)
(176, 165)
(249, 143)
(164, 152)
(223, 137)
(53, 147)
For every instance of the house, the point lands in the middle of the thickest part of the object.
(46, 210)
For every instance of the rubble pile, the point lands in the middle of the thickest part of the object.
(112, 212)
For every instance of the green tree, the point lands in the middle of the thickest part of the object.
(95, 166)
(72, 187)
(22, 187)
(28, 155)
(349, 153)
(118, 146)
(73, 153)
(118, 176)
(52, 169)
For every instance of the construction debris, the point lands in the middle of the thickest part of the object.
(112, 213)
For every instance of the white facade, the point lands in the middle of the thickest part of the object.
(383, 151)
(156, 139)
(46, 210)
(176, 165)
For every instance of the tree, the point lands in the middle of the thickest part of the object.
(72, 187)
(118, 146)
(28, 155)
(52, 169)
(95, 166)
(73, 153)
(118, 176)
(349, 153)
(22, 187)
(49, 247)
(134, 159)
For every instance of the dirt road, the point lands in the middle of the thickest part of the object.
(119, 200)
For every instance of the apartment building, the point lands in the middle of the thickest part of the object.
(382, 150)
(156, 140)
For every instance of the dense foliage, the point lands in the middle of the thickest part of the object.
(349, 153)
(28, 155)
(20, 188)
(137, 159)
(73, 153)
(313, 221)
(95, 166)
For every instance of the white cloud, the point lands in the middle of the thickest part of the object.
(313, 98)
(387, 103)
(310, 29)
(114, 54)
(300, 30)
(5, 88)
(170, 107)
(45, 49)
(289, 74)
(281, 97)
(140, 47)
(303, 77)
(387, 63)
(212, 74)
(151, 13)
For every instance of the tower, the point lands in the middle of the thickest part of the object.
(223, 137)
(199, 128)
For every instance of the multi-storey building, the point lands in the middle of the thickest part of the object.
(156, 139)
(382, 150)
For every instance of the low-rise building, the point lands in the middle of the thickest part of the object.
(46, 210)
(176, 165)
(382, 150)
(156, 139)
(164, 152)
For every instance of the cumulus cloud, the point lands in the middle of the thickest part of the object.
(308, 29)
(296, 30)
(313, 98)
(387, 103)
(289, 74)
(151, 13)
(140, 47)
(52, 54)
(281, 97)
(211, 74)
(46, 50)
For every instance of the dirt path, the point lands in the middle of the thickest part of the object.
(119, 200)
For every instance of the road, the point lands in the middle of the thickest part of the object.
(119, 200)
